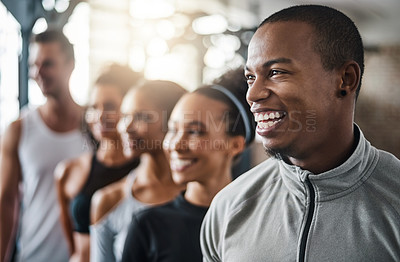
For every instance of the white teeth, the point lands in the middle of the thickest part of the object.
(271, 115)
(267, 116)
(264, 125)
(180, 163)
(183, 162)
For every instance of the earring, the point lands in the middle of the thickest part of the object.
(343, 93)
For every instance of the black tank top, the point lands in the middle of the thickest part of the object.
(99, 177)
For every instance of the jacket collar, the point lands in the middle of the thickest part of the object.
(336, 182)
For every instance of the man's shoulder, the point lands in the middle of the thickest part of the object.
(28, 110)
(389, 160)
(10, 138)
(387, 169)
(385, 179)
(15, 126)
(237, 200)
(250, 184)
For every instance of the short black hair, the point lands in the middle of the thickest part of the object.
(57, 36)
(235, 82)
(337, 37)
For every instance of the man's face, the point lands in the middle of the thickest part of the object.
(291, 95)
(50, 68)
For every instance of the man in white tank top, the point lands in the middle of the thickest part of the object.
(31, 147)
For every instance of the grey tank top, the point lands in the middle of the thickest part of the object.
(107, 237)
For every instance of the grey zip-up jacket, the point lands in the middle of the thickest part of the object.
(279, 212)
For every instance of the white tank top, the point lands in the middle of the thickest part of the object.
(40, 236)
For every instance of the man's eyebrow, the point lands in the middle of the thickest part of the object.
(273, 61)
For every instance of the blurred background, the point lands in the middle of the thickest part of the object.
(190, 42)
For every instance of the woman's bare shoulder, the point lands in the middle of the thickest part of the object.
(68, 167)
(71, 174)
(105, 199)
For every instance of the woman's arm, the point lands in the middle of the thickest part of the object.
(102, 237)
(62, 173)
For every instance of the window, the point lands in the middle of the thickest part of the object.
(10, 48)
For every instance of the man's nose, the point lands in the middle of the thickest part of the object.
(257, 91)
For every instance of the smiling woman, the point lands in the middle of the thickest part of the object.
(207, 131)
(145, 111)
(78, 179)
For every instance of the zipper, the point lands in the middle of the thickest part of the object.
(304, 237)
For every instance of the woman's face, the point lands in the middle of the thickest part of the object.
(197, 144)
(102, 115)
(141, 124)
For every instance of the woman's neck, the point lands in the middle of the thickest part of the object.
(110, 152)
(201, 194)
(157, 166)
(153, 183)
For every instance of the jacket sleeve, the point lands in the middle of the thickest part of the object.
(210, 235)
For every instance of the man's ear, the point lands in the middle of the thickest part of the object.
(236, 145)
(350, 76)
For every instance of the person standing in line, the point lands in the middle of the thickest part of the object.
(145, 110)
(208, 130)
(30, 150)
(326, 194)
(78, 179)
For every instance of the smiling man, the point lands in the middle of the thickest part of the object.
(325, 194)
(32, 146)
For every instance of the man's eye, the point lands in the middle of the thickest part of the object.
(48, 63)
(275, 72)
(250, 77)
